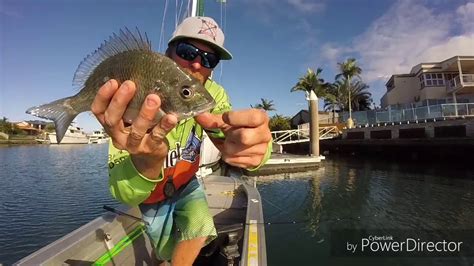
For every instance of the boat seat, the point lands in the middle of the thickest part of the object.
(225, 244)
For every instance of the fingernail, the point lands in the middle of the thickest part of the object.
(168, 123)
(126, 86)
(151, 102)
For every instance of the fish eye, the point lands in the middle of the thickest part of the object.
(186, 92)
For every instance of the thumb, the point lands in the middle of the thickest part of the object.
(210, 121)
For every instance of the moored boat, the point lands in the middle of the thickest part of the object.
(74, 135)
(98, 137)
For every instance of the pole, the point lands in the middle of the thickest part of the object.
(197, 8)
(314, 124)
(455, 101)
(194, 7)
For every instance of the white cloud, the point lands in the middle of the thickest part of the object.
(466, 17)
(270, 10)
(307, 6)
(9, 11)
(407, 34)
(331, 52)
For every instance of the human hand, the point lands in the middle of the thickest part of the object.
(147, 147)
(246, 135)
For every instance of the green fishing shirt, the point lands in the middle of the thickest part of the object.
(132, 188)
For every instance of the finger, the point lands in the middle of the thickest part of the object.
(103, 97)
(143, 122)
(232, 149)
(211, 121)
(114, 113)
(244, 161)
(159, 132)
(246, 118)
(249, 136)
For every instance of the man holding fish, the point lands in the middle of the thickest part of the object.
(154, 165)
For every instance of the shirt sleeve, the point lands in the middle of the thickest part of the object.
(126, 184)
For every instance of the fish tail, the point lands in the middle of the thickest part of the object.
(60, 111)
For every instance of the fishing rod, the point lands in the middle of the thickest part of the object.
(336, 219)
(111, 209)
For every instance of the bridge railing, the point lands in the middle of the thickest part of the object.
(302, 135)
(290, 136)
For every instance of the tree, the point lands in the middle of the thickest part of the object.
(50, 127)
(266, 105)
(279, 122)
(349, 69)
(312, 82)
(9, 128)
(361, 98)
(5, 126)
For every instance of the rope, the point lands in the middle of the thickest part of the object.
(162, 34)
(176, 14)
(180, 16)
(224, 25)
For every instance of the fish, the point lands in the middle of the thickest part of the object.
(128, 56)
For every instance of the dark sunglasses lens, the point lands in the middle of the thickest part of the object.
(210, 60)
(186, 51)
(189, 52)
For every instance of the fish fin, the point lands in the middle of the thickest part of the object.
(59, 111)
(125, 40)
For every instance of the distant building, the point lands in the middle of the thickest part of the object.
(432, 83)
(32, 127)
(301, 119)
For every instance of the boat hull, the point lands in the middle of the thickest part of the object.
(114, 239)
(81, 139)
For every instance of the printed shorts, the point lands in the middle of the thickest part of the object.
(182, 217)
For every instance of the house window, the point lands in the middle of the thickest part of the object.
(422, 82)
(433, 79)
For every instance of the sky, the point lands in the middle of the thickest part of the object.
(273, 43)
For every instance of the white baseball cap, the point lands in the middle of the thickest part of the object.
(204, 29)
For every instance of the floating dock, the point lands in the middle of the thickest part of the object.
(287, 163)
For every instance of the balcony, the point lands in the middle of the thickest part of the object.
(455, 85)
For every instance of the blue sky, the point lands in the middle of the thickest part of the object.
(273, 43)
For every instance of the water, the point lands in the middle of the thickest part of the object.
(364, 194)
(48, 191)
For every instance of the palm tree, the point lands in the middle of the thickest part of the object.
(312, 82)
(266, 105)
(361, 99)
(349, 69)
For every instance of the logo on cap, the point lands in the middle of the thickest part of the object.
(208, 28)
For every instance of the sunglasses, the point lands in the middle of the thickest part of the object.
(189, 52)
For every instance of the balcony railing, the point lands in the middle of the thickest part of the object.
(439, 111)
(455, 84)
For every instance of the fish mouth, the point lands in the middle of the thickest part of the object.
(201, 109)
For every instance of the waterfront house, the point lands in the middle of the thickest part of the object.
(32, 127)
(448, 81)
(301, 119)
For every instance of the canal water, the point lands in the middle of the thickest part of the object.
(48, 191)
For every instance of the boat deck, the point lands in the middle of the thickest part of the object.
(114, 239)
